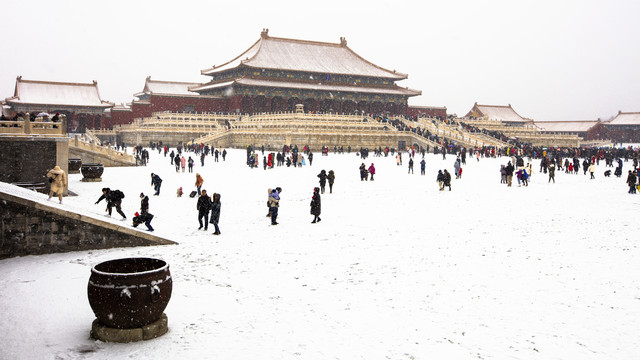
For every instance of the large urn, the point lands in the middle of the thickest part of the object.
(92, 172)
(130, 292)
(74, 165)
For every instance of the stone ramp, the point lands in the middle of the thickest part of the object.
(92, 153)
(30, 227)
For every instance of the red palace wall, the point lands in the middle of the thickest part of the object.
(427, 111)
(157, 103)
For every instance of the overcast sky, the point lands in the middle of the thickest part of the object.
(551, 60)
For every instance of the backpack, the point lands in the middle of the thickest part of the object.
(118, 195)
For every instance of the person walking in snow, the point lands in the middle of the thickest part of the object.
(447, 179)
(215, 213)
(274, 204)
(57, 181)
(156, 182)
(440, 180)
(410, 165)
(423, 165)
(509, 171)
(316, 205)
(323, 180)
(203, 206)
(552, 173)
(114, 199)
(190, 162)
(372, 171)
(176, 162)
(183, 163)
(331, 178)
(363, 172)
(631, 181)
(592, 170)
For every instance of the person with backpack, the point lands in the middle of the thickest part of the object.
(323, 179)
(114, 199)
(203, 206)
(190, 164)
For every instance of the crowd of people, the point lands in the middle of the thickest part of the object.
(519, 161)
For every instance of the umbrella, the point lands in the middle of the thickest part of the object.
(43, 114)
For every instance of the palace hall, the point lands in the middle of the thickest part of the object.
(275, 74)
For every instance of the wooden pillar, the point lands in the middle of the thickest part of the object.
(72, 122)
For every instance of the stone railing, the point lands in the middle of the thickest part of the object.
(37, 127)
(303, 117)
(90, 133)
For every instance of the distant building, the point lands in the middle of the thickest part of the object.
(157, 96)
(80, 102)
(586, 129)
(625, 127)
(502, 113)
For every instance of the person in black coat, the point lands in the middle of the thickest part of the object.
(114, 199)
(316, 205)
(203, 206)
(156, 182)
(215, 212)
(144, 203)
(331, 177)
(323, 180)
(447, 179)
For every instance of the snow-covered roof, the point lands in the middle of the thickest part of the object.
(310, 86)
(308, 56)
(122, 107)
(57, 93)
(566, 126)
(496, 112)
(166, 87)
(630, 118)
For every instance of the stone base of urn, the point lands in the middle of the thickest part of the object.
(147, 332)
(91, 179)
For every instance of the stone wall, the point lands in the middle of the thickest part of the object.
(29, 158)
(31, 228)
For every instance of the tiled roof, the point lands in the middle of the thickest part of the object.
(57, 93)
(566, 126)
(498, 112)
(631, 118)
(307, 56)
(166, 87)
(310, 86)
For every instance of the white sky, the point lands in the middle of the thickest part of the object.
(551, 60)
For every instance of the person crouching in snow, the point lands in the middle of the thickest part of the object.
(179, 192)
(315, 205)
(143, 218)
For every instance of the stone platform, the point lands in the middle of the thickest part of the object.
(147, 332)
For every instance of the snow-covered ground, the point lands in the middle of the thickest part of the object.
(395, 270)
